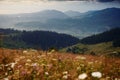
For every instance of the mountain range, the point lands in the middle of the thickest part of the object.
(69, 22)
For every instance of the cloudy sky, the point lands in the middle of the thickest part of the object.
(28, 6)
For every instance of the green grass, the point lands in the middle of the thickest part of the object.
(99, 49)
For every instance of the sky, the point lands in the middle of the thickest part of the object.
(29, 6)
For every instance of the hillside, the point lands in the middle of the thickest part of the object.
(107, 36)
(105, 49)
(104, 43)
(36, 39)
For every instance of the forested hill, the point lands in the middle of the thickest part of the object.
(107, 36)
(36, 39)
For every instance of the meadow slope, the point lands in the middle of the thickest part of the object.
(42, 65)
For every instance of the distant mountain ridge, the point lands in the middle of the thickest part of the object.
(82, 25)
(72, 13)
(48, 14)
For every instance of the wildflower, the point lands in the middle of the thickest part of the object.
(54, 59)
(12, 65)
(90, 63)
(39, 56)
(52, 51)
(46, 73)
(117, 79)
(49, 53)
(25, 51)
(78, 68)
(1, 67)
(16, 72)
(17, 60)
(24, 72)
(19, 66)
(33, 50)
(6, 78)
(49, 66)
(82, 65)
(34, 64)
(81, 57)
(28, 60)
(96, 61)
(22, 57)
(65, 77)
(27, 64)
(7, 65)
(96, 74)
(42, 56)
(65, 73)
(107, 77)
(82, 76)
(8, 68)
(43, 64)
(6, 73)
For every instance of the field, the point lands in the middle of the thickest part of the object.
(42, 65)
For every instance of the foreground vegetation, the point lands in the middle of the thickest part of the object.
(39, 65)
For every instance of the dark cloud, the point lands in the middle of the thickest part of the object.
(106, 0)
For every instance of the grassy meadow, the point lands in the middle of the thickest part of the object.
(42, 65)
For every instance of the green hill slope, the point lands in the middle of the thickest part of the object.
(104, 43)
(94, 49)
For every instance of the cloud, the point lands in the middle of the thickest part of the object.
(108, 0)
(63, 0)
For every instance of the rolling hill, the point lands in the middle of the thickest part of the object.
(36, 39)
(107, 36)
(104, 43)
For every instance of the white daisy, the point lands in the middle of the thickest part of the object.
(65, 77)
(65, 72)
(82, 76)
(46, 73)
(96, 74)
(12, 65)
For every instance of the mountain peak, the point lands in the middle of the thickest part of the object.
(72, 13)
(51, 10)
(52, 14)
(111, 9)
